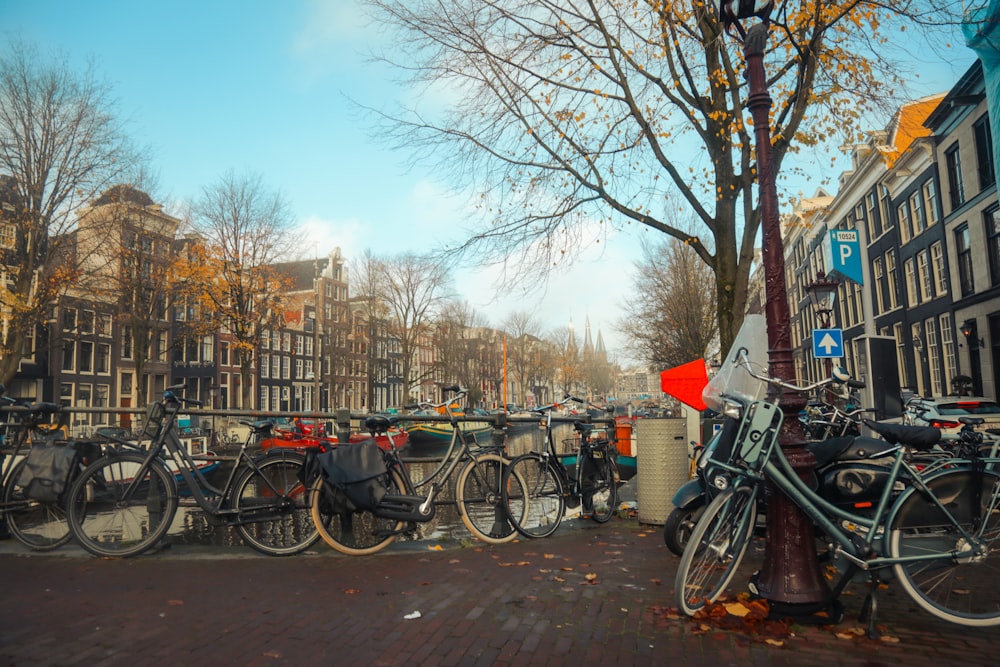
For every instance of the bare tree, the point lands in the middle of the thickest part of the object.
(60, 147)
(243, 229)
(413, 289)
(567, 115)
(367, 278)
(670, 319)
(523, 335)
(458, 338)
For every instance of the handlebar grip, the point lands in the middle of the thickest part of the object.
(856, 384)
(452, 388)
(411, 406)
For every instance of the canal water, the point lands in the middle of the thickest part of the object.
(191, 526)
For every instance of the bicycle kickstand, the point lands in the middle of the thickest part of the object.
(869, 609)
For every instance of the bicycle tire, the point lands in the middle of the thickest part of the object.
(965, 591)
(601, 498)
(543, 503)
(284, 532)
(357, 533)
(679, 524)
(106, 521)
(715, 549)
(480, 498)
(37, 525)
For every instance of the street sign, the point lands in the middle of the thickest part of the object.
(828, 343)
(845, 255)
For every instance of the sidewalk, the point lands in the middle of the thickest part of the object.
(587, 595)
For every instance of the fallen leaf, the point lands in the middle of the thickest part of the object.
(412, 615)
(889, 640)
(436, 547)
(737, 609)
(774, 642)
(175, 603)
(272, 654)
(351, 591)
(590, 576)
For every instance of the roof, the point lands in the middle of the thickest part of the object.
(908, 125)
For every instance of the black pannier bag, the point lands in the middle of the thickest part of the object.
(358, 470)
(46, 471)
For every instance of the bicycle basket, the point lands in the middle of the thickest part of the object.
(154, 420)
(758, 433)
(358, 471)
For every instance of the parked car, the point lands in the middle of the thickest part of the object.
(943, 412)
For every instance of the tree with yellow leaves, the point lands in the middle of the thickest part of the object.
(570, 116)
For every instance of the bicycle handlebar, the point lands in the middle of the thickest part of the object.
(839, 376)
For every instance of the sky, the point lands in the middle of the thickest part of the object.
(266, 87)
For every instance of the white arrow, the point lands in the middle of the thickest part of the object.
(828, 342)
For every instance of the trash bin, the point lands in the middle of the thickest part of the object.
(662, 461)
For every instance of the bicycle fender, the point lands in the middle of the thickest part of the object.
(690, 494)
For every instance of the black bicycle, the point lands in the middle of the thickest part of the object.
(550, 484)
(125, 503)
(37, 468)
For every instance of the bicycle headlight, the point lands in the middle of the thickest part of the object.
(720, 482)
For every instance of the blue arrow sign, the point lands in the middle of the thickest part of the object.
(828, 343)
(845, 254)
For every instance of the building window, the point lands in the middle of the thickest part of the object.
(912, 293)
(893, 274)
(929, 191)
(299, 344)
(874, 227)
(903, 215)
(103, 359)
(224, 353)
(917, 209)
(884, 208)
(69, 319)
(265, 366)
(8, 236)
(937, 267)
(984, 152)
(991, 224)
(127, 343)
(924, 276)
(880, 291)
(901, 346)
(964, 252)
(933, 356)
(948, 346)
(69, 355)
(956, 188)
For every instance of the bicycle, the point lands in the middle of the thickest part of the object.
(34, 485)
(124, 504)
(359, 530)
(934, 530)
(551, 486)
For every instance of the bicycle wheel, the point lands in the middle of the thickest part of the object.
(542, 505)
(963, 589)
(355, 533)
(37, 525)
(600, 491)
(111, 515)
(678, 527)
(715, 549)
(273, 490)
(480, 499)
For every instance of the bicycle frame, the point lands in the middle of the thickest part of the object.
(201, 489)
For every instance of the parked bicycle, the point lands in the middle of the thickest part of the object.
(37, 469)
(364, 498)
(551, 486)
(933, 530)
(125, 503)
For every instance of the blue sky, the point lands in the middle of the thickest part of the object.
(263, 85)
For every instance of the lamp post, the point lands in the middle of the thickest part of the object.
(790, 578)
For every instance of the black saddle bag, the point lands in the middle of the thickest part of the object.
(358, 470)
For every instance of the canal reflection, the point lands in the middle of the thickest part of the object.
(191, 525)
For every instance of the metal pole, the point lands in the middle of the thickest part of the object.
(790, 574)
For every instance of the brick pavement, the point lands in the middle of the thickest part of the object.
(524, 603)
